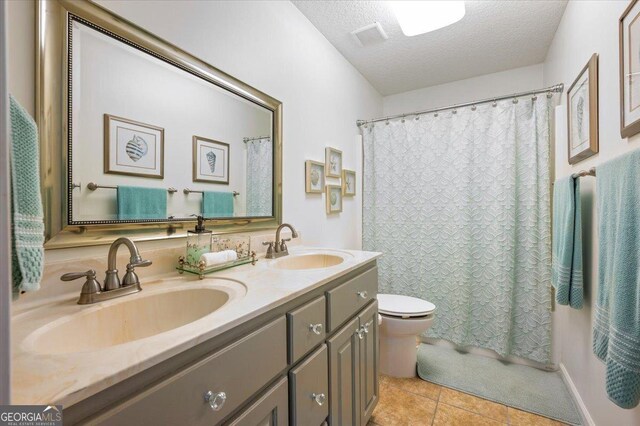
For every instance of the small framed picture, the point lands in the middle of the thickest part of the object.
(314, 177)
(333, 162)
(348, 183)
(334, 198)
(210, 161)
(629, 40)
(133, 148)
(582, 110)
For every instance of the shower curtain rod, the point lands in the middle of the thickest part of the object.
(557, 88)
(245, 140)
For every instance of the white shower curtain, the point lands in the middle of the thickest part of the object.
(460, 206)
(259, 177)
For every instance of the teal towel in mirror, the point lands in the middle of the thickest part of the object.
(27, 217)
(135, 202)
(217, 204)
(616, 330)
(566, 263)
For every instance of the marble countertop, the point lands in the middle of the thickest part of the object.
(41, 377)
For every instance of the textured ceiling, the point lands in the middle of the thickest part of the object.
(493, 36)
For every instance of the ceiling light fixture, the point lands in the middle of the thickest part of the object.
(419, 17)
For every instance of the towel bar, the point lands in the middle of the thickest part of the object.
(590, 172)
(93, 186)
(188, 191)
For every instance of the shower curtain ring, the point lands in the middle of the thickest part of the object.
(435, 114)
(515, 100)
(549, 94)
(494, 104)
(403, 119)
(473, 107)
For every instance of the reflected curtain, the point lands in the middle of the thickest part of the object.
(460, 205)
(259, 177)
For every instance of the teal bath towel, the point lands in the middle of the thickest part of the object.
(27, 218)
(135, 202)
(217, 204)
(566, 262)
(616, 331)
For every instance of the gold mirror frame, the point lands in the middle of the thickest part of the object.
(52, 106)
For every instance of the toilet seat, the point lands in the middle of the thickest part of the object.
(396, 305)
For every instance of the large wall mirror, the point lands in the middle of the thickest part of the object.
(138, 137)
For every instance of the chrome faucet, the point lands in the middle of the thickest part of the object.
(278, 248)
(92, 292)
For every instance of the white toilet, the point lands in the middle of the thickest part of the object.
(403, 319)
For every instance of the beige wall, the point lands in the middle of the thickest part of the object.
(273, 47)
(589, 27)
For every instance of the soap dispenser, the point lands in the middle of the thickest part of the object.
(198, 243)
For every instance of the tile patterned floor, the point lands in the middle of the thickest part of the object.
(413, 402)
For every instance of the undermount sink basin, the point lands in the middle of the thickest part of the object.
(126, 320)
(308, 261)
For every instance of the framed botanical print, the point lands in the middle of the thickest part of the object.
(348, 183)
(333, 162)
(133, 148)
(314, 177)
(334, 198)
(629, 34)
(582, 110)
(210, 161)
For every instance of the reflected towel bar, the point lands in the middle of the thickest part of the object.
(93, 186)
(188, 191)
(590, 172)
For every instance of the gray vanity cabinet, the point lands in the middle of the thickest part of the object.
(310, 362)
(353, 369)
(369, 356)
(344, 375)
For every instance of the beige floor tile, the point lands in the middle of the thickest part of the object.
(522, 418)
(448, 415)
(414, 385)
(401, 408)
(472, 403)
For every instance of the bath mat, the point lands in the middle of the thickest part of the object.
(514, 385)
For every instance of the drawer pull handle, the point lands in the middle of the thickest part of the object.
(319, 398)
(316, 328)
(366, 327)
(360, 332)
(362, 294)
(215, 400)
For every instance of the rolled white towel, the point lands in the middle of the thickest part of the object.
(219, 257)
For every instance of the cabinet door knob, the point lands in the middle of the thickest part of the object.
(362, 294)
(215, 400)
(316, 328)
(319, 398)
(360, 332)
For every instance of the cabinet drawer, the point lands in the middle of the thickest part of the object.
(345, 300)
(310, 389)
(307, 328)
(180, 399)
(272, 409)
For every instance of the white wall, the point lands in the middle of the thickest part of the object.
(589, 27)
(476, 88)
(273, 47)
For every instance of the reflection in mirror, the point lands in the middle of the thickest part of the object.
(151, 141)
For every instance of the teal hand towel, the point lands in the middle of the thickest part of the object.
(217, 204)
(616, 331)
(135, 202)
(27, 217)
(566, 262)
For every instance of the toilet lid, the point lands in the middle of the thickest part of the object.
(404, 306)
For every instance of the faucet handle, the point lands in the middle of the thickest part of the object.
(269, 249)
(70, 276)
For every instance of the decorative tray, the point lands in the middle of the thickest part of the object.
(202, 270)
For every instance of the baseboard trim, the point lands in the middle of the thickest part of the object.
(582, 408)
